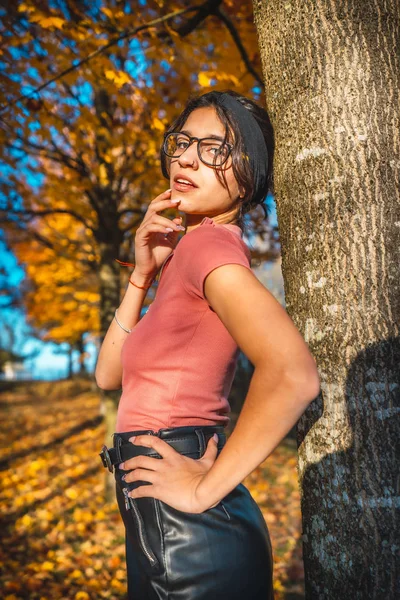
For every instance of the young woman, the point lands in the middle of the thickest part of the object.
(193, 531)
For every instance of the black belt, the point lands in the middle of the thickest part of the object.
(185, 440)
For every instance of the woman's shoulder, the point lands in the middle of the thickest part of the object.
(205, 248)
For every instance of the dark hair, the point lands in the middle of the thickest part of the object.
(240, 167)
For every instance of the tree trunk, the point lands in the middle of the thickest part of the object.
(109, 275)
(70, 362)
(109, 237)
(332, 86)
(80, 346)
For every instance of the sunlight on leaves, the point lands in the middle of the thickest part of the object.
(60, 539)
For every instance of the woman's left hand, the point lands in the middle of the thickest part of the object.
(174, 478)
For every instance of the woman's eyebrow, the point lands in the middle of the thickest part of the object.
(211, 135)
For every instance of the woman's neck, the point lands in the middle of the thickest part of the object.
(228, 218)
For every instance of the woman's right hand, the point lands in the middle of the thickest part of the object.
(151, 246)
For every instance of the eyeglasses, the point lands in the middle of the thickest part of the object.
(211, 152)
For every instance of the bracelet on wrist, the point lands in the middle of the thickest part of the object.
(126, 264)
(120, 324)
(139, 286)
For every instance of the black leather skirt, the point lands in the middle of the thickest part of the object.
(223, 553)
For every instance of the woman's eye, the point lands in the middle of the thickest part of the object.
(213, 149)
(182, 145)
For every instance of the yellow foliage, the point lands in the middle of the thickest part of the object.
(119, 78)
(158, 125)
(151, 148)
(26, 521)
(107, 12)
(111, 136)
(116, 584)
(82, 515)
(204, 80)
(103, 175)
(76, 542)
(76, 574)
(25, 8)
(278, 587)
(71, 493)
(120, 574)
(35, 466)
(48, 22)
(103, 132)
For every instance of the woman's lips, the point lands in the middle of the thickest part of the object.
(183, 187)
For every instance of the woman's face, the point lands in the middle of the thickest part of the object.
(208, 196)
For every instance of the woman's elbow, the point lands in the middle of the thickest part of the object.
(313, 388)
(307, 383)
(107, 384)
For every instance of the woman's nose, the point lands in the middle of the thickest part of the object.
(189, 156)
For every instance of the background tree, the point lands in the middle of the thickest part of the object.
(60, 294)
(332, 89)
(84, 145)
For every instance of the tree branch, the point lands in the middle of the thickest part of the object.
(220, 12)
(131, 225)
(94, 204)
(44, 212)
(124, 211)
(209, 7)
(63, 158)
(111, 43)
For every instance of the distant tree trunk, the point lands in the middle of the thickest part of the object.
(70, 361)
(80, 346)
(109, 276)
(331, 71)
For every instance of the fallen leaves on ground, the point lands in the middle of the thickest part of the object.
(60, 540)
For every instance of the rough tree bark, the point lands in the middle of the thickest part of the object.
(331, 72)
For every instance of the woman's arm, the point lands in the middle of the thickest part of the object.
(285, 379)
(108, 371)
(153, 244)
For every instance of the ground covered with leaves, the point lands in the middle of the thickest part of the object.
(59, 539)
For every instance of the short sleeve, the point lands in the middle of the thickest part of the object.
(204, 249)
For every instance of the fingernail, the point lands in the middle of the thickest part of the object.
(215, 437)
(123, 477)
(132, 439)
(181, 228)
(175, 201)
(169, 190)
(168, 229)
(121, 466)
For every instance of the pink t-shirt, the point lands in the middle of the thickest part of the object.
(179, 360)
